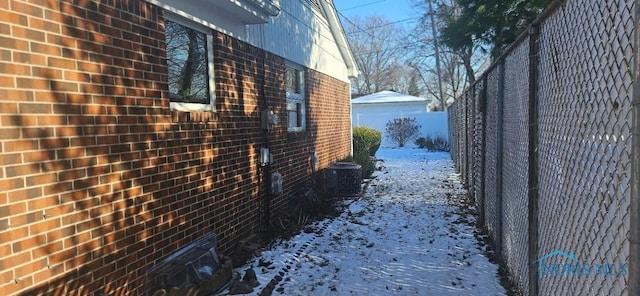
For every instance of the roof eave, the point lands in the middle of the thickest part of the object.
(341, 39)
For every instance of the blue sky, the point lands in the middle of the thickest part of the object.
(392, 10)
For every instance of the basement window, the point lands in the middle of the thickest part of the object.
(190, 65)
(197, 266)
(296, 102)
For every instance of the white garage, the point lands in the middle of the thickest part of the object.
(375, 110)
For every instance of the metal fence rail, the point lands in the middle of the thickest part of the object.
(543, 143)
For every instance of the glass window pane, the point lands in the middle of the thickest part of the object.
(293, 84)
(299, 115)
(292, 119)
(187, 63)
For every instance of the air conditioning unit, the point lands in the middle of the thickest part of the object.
(343, 179)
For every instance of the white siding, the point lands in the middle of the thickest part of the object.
(300, 34)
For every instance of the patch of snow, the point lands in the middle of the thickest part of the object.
(403, 237)
(206, 270)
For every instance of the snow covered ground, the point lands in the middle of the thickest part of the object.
(406, 235)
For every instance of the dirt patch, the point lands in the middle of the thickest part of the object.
(310, 206)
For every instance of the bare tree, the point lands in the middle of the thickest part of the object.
(453, 76)
(377, 47)
(457, 69)
(403, 78)
(390, 58)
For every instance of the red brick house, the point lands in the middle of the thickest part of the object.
(130, 128)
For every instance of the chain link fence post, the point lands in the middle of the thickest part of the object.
(533, 158)
(474, 147)
(634, 207)
(498, 168)
(481, 97)
(467, 129)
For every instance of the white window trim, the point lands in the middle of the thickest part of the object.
(293, 98)
(196, 107)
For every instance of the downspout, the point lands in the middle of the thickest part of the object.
(265, 106)
(351, 119)
(634, 207)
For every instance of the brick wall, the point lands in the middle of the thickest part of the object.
(99, 178)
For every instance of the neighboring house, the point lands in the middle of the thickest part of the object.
(375, 110)
(130, 128)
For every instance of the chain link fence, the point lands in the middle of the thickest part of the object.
(543, 143)
(515, 168)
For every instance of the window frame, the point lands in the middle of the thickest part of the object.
(296, 99)
(195, 107)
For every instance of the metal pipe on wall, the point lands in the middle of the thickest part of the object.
(266, 211)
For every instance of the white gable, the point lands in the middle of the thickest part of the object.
(308, 33)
